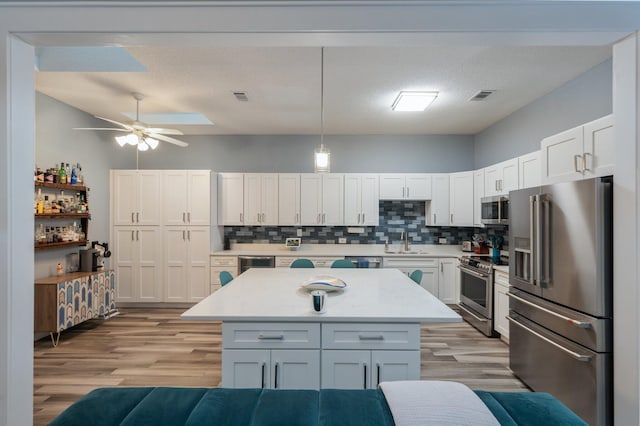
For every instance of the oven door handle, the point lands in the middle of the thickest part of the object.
(472, 314)
(474, 273)
(580, 324)
(574, 355)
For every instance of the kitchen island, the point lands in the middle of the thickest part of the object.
(369, 333)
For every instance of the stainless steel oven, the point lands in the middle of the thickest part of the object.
(476, 293)
(494, 210)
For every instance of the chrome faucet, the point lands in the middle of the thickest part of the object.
(405, 237)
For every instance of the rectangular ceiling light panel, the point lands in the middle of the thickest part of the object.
(413, 101)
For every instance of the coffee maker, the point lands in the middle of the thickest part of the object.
(92, 259)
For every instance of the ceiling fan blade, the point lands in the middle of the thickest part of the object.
(101, 128)
(161, 131)
(117, 123)
(168, 139)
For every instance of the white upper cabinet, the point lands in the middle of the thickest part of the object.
(529, 169)
(413, 186)
(138, 199)
(361, 199)
(231, 199)
(582, 152)
(438, 208)
(260, 199)
(501, 178)
(478, 193)
(288, 199)
(187, 197)
(461, 199)
(321, 199)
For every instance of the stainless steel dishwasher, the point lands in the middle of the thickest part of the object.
(246, 262)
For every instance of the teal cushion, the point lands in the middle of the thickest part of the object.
(224, 406)
(354, 408)
(530, 409)
(168, 406)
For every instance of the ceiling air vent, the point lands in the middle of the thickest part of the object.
(481, 95)
(241, 96)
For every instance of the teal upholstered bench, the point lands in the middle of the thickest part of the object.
(221, 406)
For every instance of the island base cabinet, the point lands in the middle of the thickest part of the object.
(361, 369)
(271, 369)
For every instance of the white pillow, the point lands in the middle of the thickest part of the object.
(422, 403)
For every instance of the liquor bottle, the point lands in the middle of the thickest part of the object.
(79, 172)
(39, 202)
(74, 176)
(62, 174)
(55, 172)
(67, 171)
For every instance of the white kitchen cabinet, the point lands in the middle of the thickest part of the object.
(271, 369)
(362, 369)
(136, 197)
(261, 199)
(501, 178)
(582, 152)
(288, 199)
(318, 261)
(271, 355)
(186, 263)
(501, 303)
(448, 287)
(412, 186)
(461, 198)
(529, 169)
(321, 199)
(428, 266)
(231, 199)
(361, 199)
(478, 193)
(360, 356)
(187, 197)
(137, 255)
(219, 264)
(438, 208)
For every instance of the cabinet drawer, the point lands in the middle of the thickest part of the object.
(284, 262)
(229, 261)
(323, 262)
(370, 336)
(270, 335)
(393, 262)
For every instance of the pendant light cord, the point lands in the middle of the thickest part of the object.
(322, 97)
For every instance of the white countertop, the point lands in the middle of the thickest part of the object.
(340, 250)
(372, 295)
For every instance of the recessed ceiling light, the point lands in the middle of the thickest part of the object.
(413, 101)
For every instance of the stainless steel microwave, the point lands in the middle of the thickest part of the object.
(495, 210)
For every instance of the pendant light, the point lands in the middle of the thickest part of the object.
(322, 155)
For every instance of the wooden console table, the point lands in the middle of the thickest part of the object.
(67, 300)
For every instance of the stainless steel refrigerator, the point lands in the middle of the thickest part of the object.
(561, 304)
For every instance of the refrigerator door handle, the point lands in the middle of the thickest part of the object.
(580, 324)
(538, 227)
(532, 253)
(545, 206)
(574, 355)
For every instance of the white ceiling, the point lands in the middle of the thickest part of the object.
(360, 83)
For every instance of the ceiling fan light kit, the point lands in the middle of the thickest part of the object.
(139, 134)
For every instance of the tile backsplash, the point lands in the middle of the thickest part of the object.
(395, 217)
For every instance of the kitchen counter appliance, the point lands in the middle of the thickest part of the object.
(365, 262)
(494, 210)
(476, 293)
(561, 306)
(247, 262)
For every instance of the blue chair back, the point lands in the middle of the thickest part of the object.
(225, 278)
(342, 263)
(302, 263)
(416, 276)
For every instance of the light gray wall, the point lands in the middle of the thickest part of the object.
(359, 154)
(56, 141)
(585, 98)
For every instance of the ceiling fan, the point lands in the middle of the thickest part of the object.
(138, 133)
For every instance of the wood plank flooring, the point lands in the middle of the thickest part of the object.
(154, 347)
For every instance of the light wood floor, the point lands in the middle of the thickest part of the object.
(153, 347)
